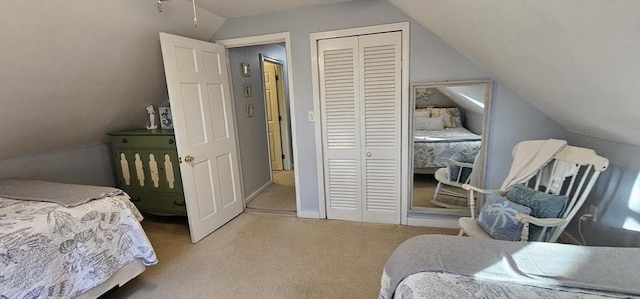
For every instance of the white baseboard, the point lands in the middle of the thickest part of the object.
(308, 214)
(260, 190)
(432, 222)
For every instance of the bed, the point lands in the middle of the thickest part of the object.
(438, 134)
(62, 250)
(439, 266)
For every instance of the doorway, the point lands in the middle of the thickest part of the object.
(280, 196)
(265, 122)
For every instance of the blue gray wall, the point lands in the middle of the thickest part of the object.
(513, 120)
(430, 60)
(616, 195)
(252, 131)
(90, 165)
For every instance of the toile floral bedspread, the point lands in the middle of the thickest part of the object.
(49, 251)
(449, 285)
(431, 147)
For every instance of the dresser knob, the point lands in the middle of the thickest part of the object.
(124, 140)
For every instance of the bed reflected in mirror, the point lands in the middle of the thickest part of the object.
(448, 136)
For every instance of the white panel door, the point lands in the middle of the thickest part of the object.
(340, 114)
(360, 102)
(204, 126)
(380, 94)
(273, 115)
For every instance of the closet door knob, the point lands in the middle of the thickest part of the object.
(368, 154)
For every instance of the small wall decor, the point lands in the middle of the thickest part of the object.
(152, 118)
(247, 89)
(244, 68)
(166, 121)
(422, 93)
(250, 110)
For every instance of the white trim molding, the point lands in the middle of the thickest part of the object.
(308, 214)
(282, 37)
(433, 222)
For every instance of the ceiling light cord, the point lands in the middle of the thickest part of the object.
(195, 16)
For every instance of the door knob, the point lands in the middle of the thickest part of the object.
(188, 158)
(368, 154)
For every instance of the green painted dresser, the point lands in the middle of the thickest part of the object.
(147, 165)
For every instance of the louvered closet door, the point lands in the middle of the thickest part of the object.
(360, 103)
(340, 106)
(380, 64)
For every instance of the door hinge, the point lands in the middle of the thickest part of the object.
(279, 118)
(282, 156)
(277, 77)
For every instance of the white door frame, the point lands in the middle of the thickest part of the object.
(315, 77)
(282, 37)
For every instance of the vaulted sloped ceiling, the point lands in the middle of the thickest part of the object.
(239, 8)
(576, 61)
(73, 70)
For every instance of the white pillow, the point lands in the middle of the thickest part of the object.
(429, 123)
(422, 112)
(451, 116)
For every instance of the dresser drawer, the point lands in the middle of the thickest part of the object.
(159, 203)
(132, 141)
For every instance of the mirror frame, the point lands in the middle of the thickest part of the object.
(484, 144)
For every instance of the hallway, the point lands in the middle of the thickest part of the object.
(278, 198)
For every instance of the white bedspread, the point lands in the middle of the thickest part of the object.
(50, 251)
(598, 271)
(68, 195)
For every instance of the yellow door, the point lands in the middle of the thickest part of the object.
(273, 114)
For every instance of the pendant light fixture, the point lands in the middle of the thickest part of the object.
(195, 16)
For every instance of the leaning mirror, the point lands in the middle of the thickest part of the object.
(449, 131)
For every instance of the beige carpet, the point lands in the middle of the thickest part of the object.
(269, 256)
(424, 186)
(280, 197)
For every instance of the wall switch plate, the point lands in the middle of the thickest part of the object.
(312, 116)
(593, 210)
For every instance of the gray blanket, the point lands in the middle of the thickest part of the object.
(534, 263)
(68, 195)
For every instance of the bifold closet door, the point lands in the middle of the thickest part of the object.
(360, 103)
(340, 105)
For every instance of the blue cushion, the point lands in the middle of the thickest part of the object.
(542, 205)
(497, 218)
(465, 157)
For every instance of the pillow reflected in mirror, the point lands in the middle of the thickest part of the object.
(429, 123)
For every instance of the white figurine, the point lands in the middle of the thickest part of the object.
(152, 118)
